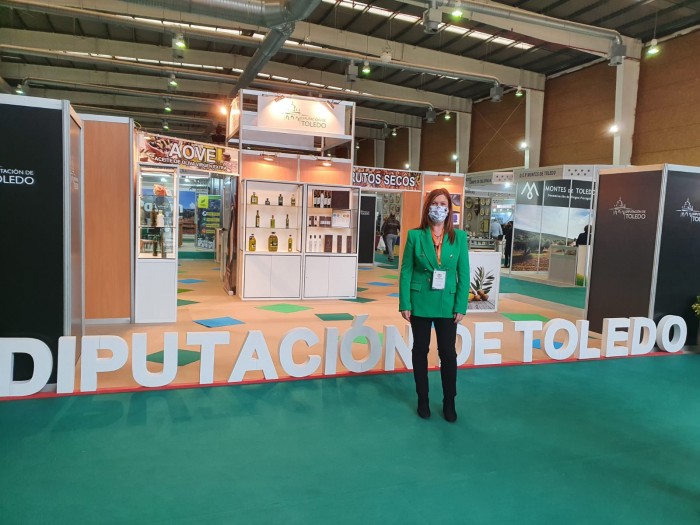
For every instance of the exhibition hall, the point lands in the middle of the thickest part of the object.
(409, 262)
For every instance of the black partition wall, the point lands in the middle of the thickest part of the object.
(40, 195)
(646, 245)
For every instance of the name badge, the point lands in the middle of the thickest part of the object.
(439, 277)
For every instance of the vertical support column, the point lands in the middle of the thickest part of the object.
(626, 84)
(464, 136)
(414, 135)
(379, 149)
(534, 115)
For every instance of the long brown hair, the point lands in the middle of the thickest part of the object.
(425, 220)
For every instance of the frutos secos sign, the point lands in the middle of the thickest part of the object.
(561, 339)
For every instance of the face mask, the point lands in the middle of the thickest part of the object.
(437, 213)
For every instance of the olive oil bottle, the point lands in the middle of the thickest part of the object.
(272, 243)
(251, 243)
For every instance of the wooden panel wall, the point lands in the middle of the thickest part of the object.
(668, 105)
(365, 155)
(107, 220)
(578, 110)
(396, 153)
(497, 130)
(438, 144)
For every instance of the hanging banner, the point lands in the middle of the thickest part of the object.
(160, 149)
(384, 179)
(304, 116)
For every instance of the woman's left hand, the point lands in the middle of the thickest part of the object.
(458, 318)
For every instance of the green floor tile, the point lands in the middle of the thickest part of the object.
(184, 357)
(335, 317)
(284, 308)
(185, 302)
(390, 276)
(363, 340)
(360, 300)
(526, 317)
(183, 290)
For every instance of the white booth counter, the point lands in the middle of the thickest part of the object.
(485, 268)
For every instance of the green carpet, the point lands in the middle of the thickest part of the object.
(607, 442)
(196, 255)
(574, 296)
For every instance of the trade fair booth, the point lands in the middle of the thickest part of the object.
(41, 177)
(646, 251)
(553, 207)
(299, 214)
(164, 165)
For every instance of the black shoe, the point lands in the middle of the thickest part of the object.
(423, 409)
(448, 410)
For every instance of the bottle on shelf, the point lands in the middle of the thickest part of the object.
(267, 201)
(294, 200)
(257, 219)
(253, 198)
(272, 221)
(280, 200)
(290, 242)
(286, 221)
(251, 243)
(317, 199)
(272, 242)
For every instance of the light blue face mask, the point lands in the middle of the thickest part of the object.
(437, 213)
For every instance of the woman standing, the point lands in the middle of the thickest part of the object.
(433, 290)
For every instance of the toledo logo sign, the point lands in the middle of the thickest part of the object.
(621, 209)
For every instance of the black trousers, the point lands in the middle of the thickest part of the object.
(446, 331)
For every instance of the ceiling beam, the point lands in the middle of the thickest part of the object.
(323, 36)
(53, 41)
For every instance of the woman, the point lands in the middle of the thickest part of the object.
(433, 290)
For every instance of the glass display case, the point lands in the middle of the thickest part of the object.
(273, 217)
(332, 219)
(157, 228)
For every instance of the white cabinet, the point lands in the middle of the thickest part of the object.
(330, 276)
(272, 276)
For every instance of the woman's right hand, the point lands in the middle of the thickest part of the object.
(406, 314)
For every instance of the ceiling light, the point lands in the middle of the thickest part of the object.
(365, 68)
(407, 165)
(448, 116)
(447, 179)
(432, 18)
(393, 132)
(523, 145)
(173, 81)
(179, 41)
(351, 71)
(614, 128)
(167, 107)
(455, 157)
(507, 184)
(457, 11)
(519, 92)
(327, 163)
(166, 126)
(496, 93)
(357, 145)
(653, 48)
(223, 109)
(19, 89)
(385, 56)
(430, 115)
(269, 157)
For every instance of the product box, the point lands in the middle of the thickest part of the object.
(328, 243)
(348, 245)
(341, 218)
(340, 199)
(339, 243)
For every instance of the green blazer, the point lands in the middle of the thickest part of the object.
(417, 264)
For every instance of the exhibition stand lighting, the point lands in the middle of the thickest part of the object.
(179, 42)
(455, 157)
(173, 81)
(269, 157)
(614, 129)
(519, 92)
(448, 116)
(393, 132)
(223, 109)
(366, 70)
(167, 107)
(166, 126)
(407, 166)
(523, 145)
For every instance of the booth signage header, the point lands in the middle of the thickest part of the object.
(301, 115)
(160, 149)
(380, 178)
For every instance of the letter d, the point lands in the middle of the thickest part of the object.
(43, 363)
